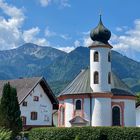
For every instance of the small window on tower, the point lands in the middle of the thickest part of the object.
(96, 77)
(109, 78)
(96, 57)
(109, 57)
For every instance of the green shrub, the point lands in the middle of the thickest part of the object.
(85, 133)
(77, 138)
(5, 134)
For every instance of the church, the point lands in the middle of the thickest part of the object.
(97, 97)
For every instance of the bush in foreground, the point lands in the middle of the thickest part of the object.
(85, 133)
(5, 134)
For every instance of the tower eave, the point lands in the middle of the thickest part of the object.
(101, 45)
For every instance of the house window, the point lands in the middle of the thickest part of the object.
(96, 77)
(24, 103)
(33, 115)
(109, 57)
(96, 57)
(109, 78)
(23, 120)
(78, 105)
(116, 116)
(36, 98)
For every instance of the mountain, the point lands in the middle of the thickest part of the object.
(67, 67)
(25, 60)
(58, 67)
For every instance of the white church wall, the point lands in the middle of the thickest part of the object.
(68, 111)
(101, 113)
(129, 111)
(87, 109)
(138, 116)
(103, 67)
(43, 107)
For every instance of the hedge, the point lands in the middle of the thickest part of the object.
(85, 133)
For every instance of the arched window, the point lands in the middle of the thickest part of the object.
(96, 57)
(78, 105)
(23, 120)
(116, 116)
(109, 78)
(96, 77)
(109, 57)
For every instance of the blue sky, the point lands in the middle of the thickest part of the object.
(65, 24)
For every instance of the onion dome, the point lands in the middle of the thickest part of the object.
(100, 33)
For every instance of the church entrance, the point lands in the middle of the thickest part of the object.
(116, 116)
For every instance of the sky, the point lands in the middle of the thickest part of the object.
(66, 24)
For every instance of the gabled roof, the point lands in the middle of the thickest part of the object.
(78, 120)
(24, 86)
(81, 85)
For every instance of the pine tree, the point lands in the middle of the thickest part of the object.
(10, 110)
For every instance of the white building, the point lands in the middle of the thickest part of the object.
(138, 114)
(97, 97)
(37, 102)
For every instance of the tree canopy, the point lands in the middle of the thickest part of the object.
(10, 110)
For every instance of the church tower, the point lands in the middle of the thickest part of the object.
(100, 59)
(100, 75)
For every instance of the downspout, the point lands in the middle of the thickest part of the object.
(90, 110)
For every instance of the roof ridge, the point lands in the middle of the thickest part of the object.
(71, 83)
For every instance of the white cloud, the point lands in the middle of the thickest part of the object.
(130, 40)
(87, 41)
(77, 43)
(119, 29)
(86, 33)
(65, 3)
(45, 3)
(11, 11)
(62, 3)
(49, 33)
(11, 33)
(31, 36)
(66, 49)
(65, 36)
